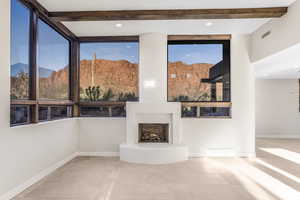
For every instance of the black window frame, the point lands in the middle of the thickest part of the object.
(43, 19)
(37, 12)
(226, 57)
(31, 13)
(108, 39)
(108, 104)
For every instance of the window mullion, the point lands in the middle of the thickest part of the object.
(74, 76)
(33, 70)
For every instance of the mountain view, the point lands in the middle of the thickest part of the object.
(109, 80)
(115, 80)
(184, 81)
(52, 84)
(21, 67)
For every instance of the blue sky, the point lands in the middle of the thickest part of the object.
(19, 33)
(111, 51)
(53, 50)
(195, 53)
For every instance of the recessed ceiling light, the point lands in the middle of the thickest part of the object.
(208, 24)
(118, 25)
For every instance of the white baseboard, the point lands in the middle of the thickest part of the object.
(104, 154)
(191, 155)
(14, 192)
(279, 136)
(247, 155)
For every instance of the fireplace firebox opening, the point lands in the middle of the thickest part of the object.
(153, 133)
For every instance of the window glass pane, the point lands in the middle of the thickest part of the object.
(109, 71)
(100, 111)
(118, 111)
(61, 112)
(215, 111)
(189, 111)
(53, 63)
(43, 113)
(20, 18)
(19, 115)
(198, 71)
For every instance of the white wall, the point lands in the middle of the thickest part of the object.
(285, 33)
(28, 150)
(213, 136)
(221, 136)
(101, 134)
(152, 67)
(277, 108)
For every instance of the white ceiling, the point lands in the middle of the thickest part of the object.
(284, 65)
(105, 28)
(81, 5)
(108, 28)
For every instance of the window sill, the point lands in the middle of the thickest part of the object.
(102, 118)
(41, 123)
(213, 117)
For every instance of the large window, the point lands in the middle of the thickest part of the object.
(108, 77)
(109, 71)
(53, 63)
(20, 33)
(39, 67)
(199, 71)
(199, 76)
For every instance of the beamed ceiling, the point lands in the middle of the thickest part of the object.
(92, 5)
(91, 18)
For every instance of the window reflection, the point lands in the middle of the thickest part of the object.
(53, 63)
(20, 18)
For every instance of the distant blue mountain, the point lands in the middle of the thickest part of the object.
(17, 68)
(21, 67)
(44, 72)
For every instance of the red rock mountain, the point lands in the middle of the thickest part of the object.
(56, 86)
(122, 76)
(185, 80)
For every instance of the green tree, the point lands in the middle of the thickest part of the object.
(181, 98)
(93, 93)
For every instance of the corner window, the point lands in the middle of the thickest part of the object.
(39, 68)
(20, 33)
(53, 63)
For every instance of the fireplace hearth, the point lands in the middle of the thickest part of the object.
(153, 133)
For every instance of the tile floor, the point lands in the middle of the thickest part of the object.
(274, 174)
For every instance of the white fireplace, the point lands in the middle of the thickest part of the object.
(153, 108)
(153, 113)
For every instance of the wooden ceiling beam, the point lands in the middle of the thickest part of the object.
(109, 39)
(178, 14)
(198, 37)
